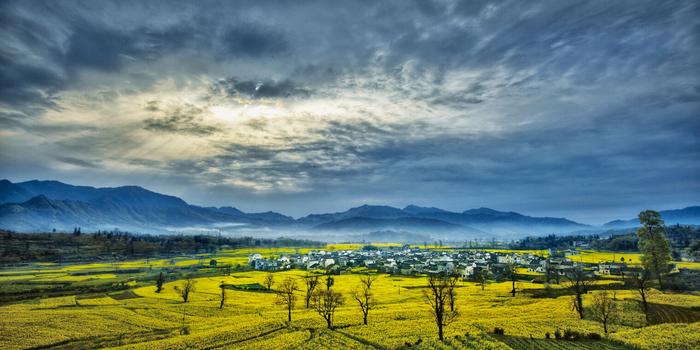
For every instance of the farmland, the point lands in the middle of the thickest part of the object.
(136, 317)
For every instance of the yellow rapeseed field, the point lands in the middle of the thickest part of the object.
(145, 319)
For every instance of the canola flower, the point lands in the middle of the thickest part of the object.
(252, 320)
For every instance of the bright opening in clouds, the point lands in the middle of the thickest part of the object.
(586, 109)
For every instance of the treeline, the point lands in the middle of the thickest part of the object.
(680, 237)
(78, 246)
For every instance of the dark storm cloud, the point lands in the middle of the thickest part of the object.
(254, 41)
(78, 162)
(92, 46)
(185, 119)
(550, 104)
(26, 86)
(233, 87)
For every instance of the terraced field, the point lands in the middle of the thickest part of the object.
(525, 343)
(663, 313)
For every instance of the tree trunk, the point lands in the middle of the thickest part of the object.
(289, 313)
(645, 308)
(579, 305)
(658, 272)
(513, 291)
(605, 326)
(365, 318)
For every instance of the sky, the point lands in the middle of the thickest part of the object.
(582, 109)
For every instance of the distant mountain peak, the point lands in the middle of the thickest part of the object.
(416, 209)
(486, 211)
(687, 215)
(39, 201)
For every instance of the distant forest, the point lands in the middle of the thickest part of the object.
(77, 246)
(681, 237)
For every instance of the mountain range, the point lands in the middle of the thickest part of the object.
(686, 216)
(45, 205)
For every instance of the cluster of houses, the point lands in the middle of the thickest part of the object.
(414, 261)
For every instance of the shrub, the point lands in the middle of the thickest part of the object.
(570, 334)
(594, 336)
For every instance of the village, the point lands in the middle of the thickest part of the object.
(410, 261)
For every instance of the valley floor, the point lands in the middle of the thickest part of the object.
(140, 318)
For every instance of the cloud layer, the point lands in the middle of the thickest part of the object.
(584, 109)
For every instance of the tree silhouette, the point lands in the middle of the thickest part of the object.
(311, 283)
(286, 296)
(325, 301)
(579, 282)
(437, 294)
(364, 296)
(186, 289)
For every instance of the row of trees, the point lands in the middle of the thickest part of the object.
(320, 296)
(440, 295)
(324, 299)
(81, 246)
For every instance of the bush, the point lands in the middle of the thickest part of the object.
(570, 334)
(594, 336)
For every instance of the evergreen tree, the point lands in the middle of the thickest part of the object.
(159, 282)
(655, 249)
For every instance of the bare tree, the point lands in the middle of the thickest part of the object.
(512, 272)
(186, 288)
(325, 302)
(481, 275)
(269, 280)
(311, 283)
(286, 296)
(364, 296)
(223, 294)
(604, 309)
(641, 282)
(452, 292)
(579, 282)
(436, 296)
